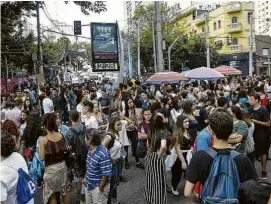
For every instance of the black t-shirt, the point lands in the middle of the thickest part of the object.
(201, 115)
(104, 103)
(262, 115)
(201, 164)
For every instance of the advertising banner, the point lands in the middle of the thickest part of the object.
(104, 44)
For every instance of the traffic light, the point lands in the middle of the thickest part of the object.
(77, 28)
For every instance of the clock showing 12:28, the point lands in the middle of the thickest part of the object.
(99, 66)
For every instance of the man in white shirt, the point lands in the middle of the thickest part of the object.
(89, 119)
(47, 104)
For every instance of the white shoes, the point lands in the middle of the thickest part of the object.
(176, 193)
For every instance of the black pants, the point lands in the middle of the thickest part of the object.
(176, 172)
(132, 135)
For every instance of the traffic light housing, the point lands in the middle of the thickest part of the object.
(77, 28)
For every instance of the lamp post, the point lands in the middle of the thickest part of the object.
(169, 52)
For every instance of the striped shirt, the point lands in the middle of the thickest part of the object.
(98, 165)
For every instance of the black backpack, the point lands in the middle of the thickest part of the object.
(79, 147)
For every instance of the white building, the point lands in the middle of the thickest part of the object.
(28, 27)
(129, 8)
(263, 17)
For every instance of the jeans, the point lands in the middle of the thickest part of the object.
(176, 172)
(96, 197)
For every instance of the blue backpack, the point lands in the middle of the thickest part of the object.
(36, 167)
(223, 181)
(26, 187)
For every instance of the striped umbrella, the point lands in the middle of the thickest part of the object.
(204, 73)
(227, 70)
(166, 77)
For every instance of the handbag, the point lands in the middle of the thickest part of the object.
(141, 150)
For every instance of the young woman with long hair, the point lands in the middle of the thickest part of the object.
(182, 143)
(27, 105)
(131, 129)
(52, 150)
(113, 142)
(158, 141)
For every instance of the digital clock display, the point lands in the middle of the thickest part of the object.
(105, 66)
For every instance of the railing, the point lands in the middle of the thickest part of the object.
(235, 48)
(235, 27)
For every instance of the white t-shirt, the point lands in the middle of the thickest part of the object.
(9, 177)
(47, 104)
(91, 123)
(79, 108)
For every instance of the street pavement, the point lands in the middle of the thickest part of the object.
(132, 192)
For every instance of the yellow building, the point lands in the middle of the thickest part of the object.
(229, 29)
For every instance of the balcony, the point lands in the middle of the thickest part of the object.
(235, 27)
(234, 7)
(200, 19)
(235, 48)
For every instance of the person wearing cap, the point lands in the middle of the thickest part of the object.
(98, 169)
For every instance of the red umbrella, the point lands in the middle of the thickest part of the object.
(227, 70)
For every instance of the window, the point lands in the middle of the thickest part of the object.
(234, 41)
(265, 51)
(214, 25)
(219, 24)
(234, 20)
(219, 44)
(202, 29)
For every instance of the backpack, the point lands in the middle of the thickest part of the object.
(26, 187)
(223, 181)
(79, 147)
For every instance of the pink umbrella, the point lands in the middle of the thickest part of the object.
(166, 77)
(227, 70)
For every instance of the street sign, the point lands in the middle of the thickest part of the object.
(104, 44)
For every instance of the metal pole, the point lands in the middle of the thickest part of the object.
(207, 40)
(77, 61)
(160, 60)
(138, 50)
(39, 37)
(154, 47)
(129, 60)
(269, 66)
(250, 46)
(169, 52)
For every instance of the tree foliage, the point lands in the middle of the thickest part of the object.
(186, 51)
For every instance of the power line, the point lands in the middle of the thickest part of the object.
(48, 15)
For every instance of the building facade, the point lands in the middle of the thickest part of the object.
(263, 53)
(229, 28)
(263, 17)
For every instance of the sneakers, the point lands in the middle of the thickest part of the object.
(264, 175)
(176, 193)
(140, 166)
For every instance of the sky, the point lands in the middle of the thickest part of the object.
(70, 12)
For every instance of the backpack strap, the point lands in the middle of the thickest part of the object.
(234, 154)
(211, 152)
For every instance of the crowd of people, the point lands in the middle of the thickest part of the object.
(65, 134)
